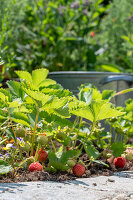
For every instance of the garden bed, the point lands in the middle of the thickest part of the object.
(94, 170)
(38, 141)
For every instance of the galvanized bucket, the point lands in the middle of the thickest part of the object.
(102, 80)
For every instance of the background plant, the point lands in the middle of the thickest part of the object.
(56, 35)
(115, 54)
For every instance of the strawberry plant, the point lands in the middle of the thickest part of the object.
(35, 127)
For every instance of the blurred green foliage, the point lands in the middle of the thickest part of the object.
(66, 35)
(114, 30)
(52, 34)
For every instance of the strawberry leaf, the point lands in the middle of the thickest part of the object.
(39, 75)
(118, 148)
(24, 75)
(91, 150)
(16, 89)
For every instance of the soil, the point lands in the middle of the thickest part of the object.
(95, 169)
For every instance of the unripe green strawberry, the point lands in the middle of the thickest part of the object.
(26, 147)
(60, 135)
(42, 139)
(71, 163)
(129, 156)
(20, 132)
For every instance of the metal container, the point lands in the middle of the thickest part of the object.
(102, 80)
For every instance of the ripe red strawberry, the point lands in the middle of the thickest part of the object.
(78, 170)
(92, 34)
(67, 148)
(36, 166)
(120, 162)
(42, 156)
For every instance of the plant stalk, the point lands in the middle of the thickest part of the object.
(34, 132)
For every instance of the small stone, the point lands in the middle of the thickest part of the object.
(111, 180)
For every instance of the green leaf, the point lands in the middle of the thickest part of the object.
(58, 121)
(47, 82)
(63, 112)
(129, 105)
(96, 95)
(55, 103)
(124, 91)
(91, 150)
(69, 154)
(13, 104)
(98, 110)
(107, 94)
(24, 75)
(5, 167)
(81, 109)
(100, 162)
(20, 118)
(59, 159)
(110, 68)
(58, 165)
(58, 92)
(86, 113)
(1, 142)
(39, 96)
(118, 148)
(22, 109)
(2, 96)
(86, 96)
(55, 162)
(39, 75)
(127, 39)
(3, 117)
(16, 89)
(6, 93)
(102, 110)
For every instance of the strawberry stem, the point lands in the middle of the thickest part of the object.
(34, 132)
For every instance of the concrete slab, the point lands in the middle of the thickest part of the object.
(98, 188)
